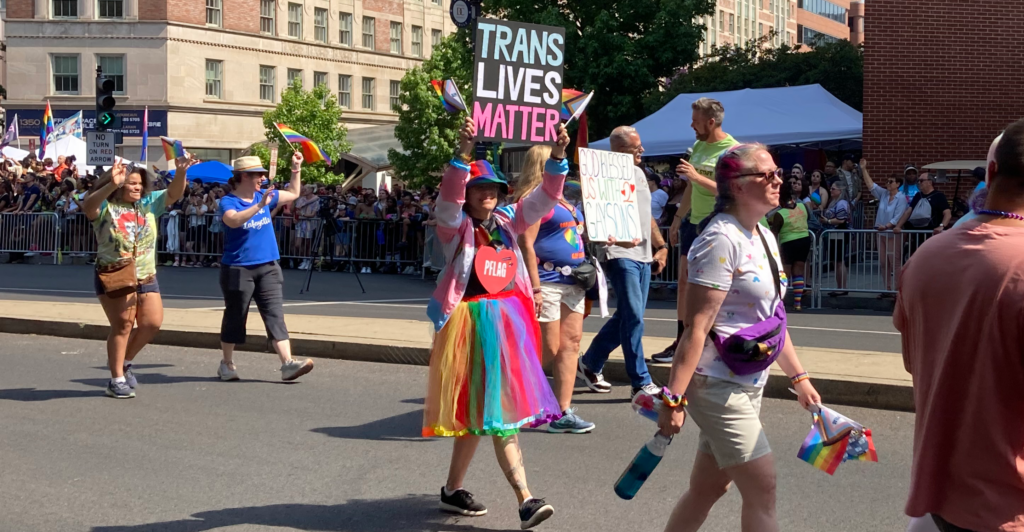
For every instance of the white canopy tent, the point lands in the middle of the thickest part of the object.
(807, 115)
(65, 146)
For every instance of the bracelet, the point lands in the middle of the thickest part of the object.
(557, 159)
(468, 159)
(799, 377)
(671, 400)
(536, 290)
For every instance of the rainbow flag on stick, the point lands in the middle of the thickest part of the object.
(449, 94)
(834, 439)
(310, 151)
(46, 132)
(172, 149)
(824, 457)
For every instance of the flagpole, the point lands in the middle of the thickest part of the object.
(17, 132)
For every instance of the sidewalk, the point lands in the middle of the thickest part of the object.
(859, 378)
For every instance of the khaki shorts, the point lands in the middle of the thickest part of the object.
(728, 416)
(557, 294)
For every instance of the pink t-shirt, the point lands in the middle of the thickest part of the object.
(961, 312)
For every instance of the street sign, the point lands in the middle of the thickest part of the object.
(99, 148)
(463, 13)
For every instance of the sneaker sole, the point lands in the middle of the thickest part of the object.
(306, 368)
(659, 360)
(115, 396)
(554, 430)
(227, 378)
(460, 511)
(542, 515)
(593, 387)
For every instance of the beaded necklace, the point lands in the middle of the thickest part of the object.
(1003, 214)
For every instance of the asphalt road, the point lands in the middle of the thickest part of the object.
(404, 297)
(340, 451)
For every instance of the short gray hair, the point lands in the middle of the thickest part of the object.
(711, 109)
(620, 136)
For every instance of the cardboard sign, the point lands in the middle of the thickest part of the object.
(273, 162)
(517, 88)
(608, 180)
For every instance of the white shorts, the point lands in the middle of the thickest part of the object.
(557, 294)
(728, 416)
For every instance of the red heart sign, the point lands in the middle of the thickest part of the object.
(632, 187)
(494, 268)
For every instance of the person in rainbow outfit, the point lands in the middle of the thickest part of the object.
(485, 365)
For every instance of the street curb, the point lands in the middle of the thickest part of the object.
(837, 392)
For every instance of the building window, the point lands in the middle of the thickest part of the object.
(825, 9)
(417, 41)
(320, 78)
(113, 68)
(294, 74)
(368, 86)
(295, 20)
(214, 79)
(213, 13)
(369, 32)
(65, 9)
(760, 29)
(732, 23)
(436, 2)
(345, 90)
(268, 17)
(813, 38)
(320, 24)
(345, 29)
(267, 78)
(721, 21)
(396, 37)
(111, 8)
(65, 74)
(396, 89)
(435, 38)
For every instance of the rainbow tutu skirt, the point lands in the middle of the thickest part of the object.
(485, 371)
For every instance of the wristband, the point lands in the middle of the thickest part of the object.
(671, 400)
(557, 159)
(799, 377)
(536, 290)
(468, 159)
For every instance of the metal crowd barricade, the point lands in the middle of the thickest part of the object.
(670, 275)
(77, 238)
(381, 245)
(34, 232)
(861, 260)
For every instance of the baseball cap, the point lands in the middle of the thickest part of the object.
(481, 173)
(909, 168)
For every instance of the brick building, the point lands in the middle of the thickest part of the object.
(941, 80)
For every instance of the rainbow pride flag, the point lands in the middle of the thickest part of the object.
(46, 132)
(172, 149)
(824, 457)
(861, 448)
(310, 151)
(449, 94)
(573, 101)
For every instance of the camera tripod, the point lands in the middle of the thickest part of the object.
(318, 243)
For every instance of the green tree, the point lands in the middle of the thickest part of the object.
(427, 132)
(838, 67)
(314, 114)
(621, 49)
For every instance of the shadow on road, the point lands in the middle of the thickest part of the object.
(137, 367)
(403, 427)
(31, 394)
(146, 379)
(411, 513)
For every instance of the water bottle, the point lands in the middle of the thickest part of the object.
(642, 466)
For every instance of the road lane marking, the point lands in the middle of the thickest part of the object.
(806, 328)
(372, 302)
(92, 293)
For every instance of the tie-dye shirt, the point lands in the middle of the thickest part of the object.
(727, 257)
(122, 227)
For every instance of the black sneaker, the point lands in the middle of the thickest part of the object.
(665, 357)
(650, 389)
(119, 390)
(594, 381)
(534, 512)
(461, 502)
(129, 377)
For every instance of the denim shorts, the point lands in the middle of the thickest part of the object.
(151, 287)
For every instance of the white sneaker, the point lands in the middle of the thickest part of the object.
(226, 372)
(294, 369)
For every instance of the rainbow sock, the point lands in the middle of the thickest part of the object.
(798, 291)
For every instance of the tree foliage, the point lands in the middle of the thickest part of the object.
(837, 66)
(621, 49)
(314, 114)
(427, 132)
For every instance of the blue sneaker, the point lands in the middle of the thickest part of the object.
(570, 423)
(129, 377)
(119, 390)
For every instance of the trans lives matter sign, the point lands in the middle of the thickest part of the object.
(609, 186)
(517, 74)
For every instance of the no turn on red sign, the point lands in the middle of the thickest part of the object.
(99, 148)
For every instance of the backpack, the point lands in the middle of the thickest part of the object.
(921, 216)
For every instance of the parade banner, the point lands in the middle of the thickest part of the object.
(517, 89)
(31, 120)
(608, 180)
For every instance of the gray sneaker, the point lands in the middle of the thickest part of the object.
(129, 377)
(294, 369)
(119, 390)
(570, 423)
(650, 389)
(227, 372)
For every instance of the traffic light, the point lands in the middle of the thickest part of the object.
(105, 118)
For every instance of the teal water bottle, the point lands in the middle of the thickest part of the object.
(642, 466)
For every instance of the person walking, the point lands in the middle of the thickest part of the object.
(249, 268)
(123, 209)
(552, 249)
(789, 224)
(721, 391)
(962, 347)
(699, 198)
(628, 269)
(891, 205)
(485, 377)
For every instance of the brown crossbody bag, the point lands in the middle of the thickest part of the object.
(120, 276)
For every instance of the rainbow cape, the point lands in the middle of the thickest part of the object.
(310, 151)
(449, 94)
(172, 149)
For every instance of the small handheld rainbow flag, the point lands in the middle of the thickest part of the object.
(824, 457)
(172, 148)
(450, 96)
(570, 101)
(310, 151)
(834, 439)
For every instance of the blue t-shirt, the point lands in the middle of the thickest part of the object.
(254, 242)
(558, 244)
(910, 191)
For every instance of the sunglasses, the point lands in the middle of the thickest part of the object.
(768, 176)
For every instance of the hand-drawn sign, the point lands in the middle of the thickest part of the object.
(609, 186)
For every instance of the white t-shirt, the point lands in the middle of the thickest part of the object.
(728, 257)
(642, 252)
(659, 198)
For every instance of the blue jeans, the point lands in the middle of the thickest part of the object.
(630, 280)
